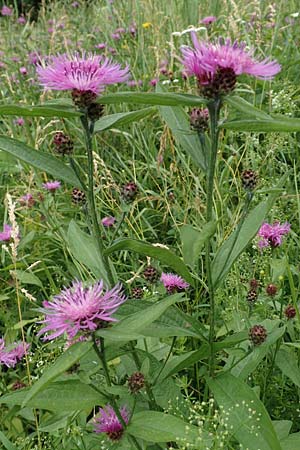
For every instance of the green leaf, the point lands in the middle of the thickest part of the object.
(7, 444)
(278, 124)
(28, 278)
(39, 159)
(286, 360)
(39, 111)
(67, 395)
(121, 119)
(193, 241)
(167, 99)
(231, 249)
(245, 107)
(154, 426)
(282, 428)
(236, 398)
(63, 363)
(292, 442)
(178, 122)
(135, 323)
(164, 255)
(84, 248)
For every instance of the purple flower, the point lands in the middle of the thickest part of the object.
(27, 200)
(108, 221)
(272, 234)
(34, 58)
(6, 11)
(86, 72)
(21, 20)
(19, 121)
(5, 235)
(208, 20)
(100, 46)
(173, 283)
(52, 185)
(80, 309)
(222, 62)
(13, 353)
(23, 71)
(109, 423)
(153, 82)
(75, 5)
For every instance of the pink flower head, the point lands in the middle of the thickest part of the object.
(13, 353)
(23, 71)
(108, 221)
(208, 20)
(109, 423)
(271, 235)
(80, 309)
(19, 121)
(21, 20)
(5, 235)
(75, 5)
(52, 185)
(27, 200)
(100, 46)
(173, 283)
(86, 72)
(6, 11)
(220, 63)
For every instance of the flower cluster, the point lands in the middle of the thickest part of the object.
(80, 309)
(10, 355)
(271, 235)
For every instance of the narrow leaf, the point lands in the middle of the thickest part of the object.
(178, 122)
(193, 241)
(63, 363)
(148, 98)
(38, 159)
(236, 397)
(7, 444)
(283, 124)
(154, 426)
(84, 248)
(164, 255)
(121, 119)
(68, 395)
(39, 111)
(245, 107)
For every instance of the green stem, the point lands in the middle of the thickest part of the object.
(88, 129)
(214, 111)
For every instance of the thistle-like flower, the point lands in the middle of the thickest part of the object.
(80, 309)
(217, 65)
(109, 423)
(52, 185)
(85, 73)
(10, 355)
(173, 283)
(6, 234)
(271, 235)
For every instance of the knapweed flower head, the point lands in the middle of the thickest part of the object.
(6, 11)
(173, 283)
(10, 355)
(108, 422)
(6, 234)
(217, 65)
(208, 20)
(80, 309)
(82, 72)
(271, 235)
(52, 186)
(108, 221)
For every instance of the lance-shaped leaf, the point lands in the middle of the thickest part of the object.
(63, 363)
(193, 241)
(121, 119)
(244, 413)
(39, 111)
(278, 124)
(148, 98)
(164, 255)
(245, 107)
(38, 159)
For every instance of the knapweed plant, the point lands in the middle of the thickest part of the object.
(159, 365)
